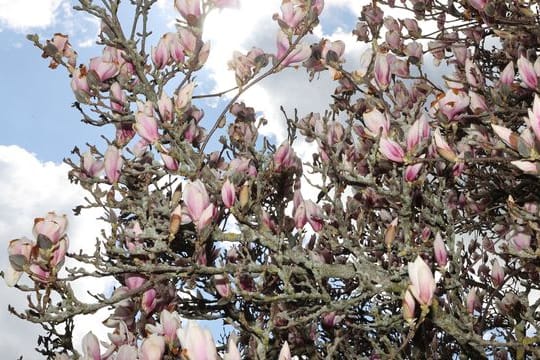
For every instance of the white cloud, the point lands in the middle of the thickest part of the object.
(30, 189)
(28, 14)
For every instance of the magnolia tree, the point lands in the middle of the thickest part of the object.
(421, 240)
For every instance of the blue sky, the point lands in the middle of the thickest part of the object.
(40, 127)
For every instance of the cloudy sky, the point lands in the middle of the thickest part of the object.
(41, 127)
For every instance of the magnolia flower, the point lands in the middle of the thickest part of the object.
(183, 99)
(472, 301)
(443, 148)
(439, 249)
(453, 103)
(104, 67)
(188, 8)
(300, 53)
(198, 205)
(292, 14)
(232, 350)
(113, 163)
(90, 347)
(534, 117)
(527, 73)
(222, 285)
(145, 123)
(285, 353)
(52, 226)
(381, 71)
(314, 215)
(19, 252)
(528, 167)
(422, 282)
(152, 348)
(473, 74)
(376, 123)
(118, 97)
(169, 162)
(412, 171)
(168, 324)
(196, 342)
(508, 74)
(285, 158)
(408, 307)
(418, 132)
(165, 107)
(149, 300)
(391, 150)
(497, 274)
(228, 194)
(478, 4)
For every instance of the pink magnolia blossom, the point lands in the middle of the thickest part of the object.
(478, 4)
(168, 49)
(134, 281)
(382, 71)
(228, 194)
(79, 84)
(52, 226)
(169, 162)
(506, 135)
(196, 342)
(418, 132)
(528, 167)
(497, 274)
(412, 171)
(472, 301)
(183, 99)
(222, 285)
(292, 14)
(149, 300)
(285, 158)
(422, 282)
(314, 215)
(412, 27)
(104, 67)
(376, 123)
(300, 53)
(408, 307)
(333, 47)
(90, 347)
(232, 350)
(439, 249)
(520, 240)
(19, 252)
(453, 103)
(165, 107)
(443, 148)
(472, 74)
(124, 133)
(152, 348)
(534, 117)
(145, 123)
(118, 97)
(478, 102)
(527, 73)
(188, 41)
(113, 163)
(508, 74)
(285, 352)
(414, 49)
(391, 150)
(188, 8)
(198, 205)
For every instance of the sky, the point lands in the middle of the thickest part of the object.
(40, 128)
